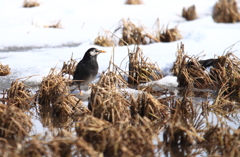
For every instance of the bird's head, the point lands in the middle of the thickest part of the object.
(94, 51)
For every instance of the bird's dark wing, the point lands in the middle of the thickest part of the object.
(82, 71)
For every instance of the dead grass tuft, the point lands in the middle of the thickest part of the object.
(106, 100)
(104, 39)
(69, 67)
(148, 106)
(189, 13)
(52, 87)
(4, 70)
(141, 70)
(20, 95)
(170, 35)
(30, 3)
(226, 72)
(186, 122)
(15, 125)
(180, 62)
(54, 92)
(120, 140)
(133, 34)
(190, 72)
(133, 2)
(226, 11)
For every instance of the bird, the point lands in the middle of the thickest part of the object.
(205, 63)
(87, 69)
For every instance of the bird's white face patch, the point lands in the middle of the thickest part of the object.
(93, 53)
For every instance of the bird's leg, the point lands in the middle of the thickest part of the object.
(80, 91)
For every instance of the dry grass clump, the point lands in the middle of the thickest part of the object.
(4, 70)
(132, 34)
(226, 72)
(106, 101)
(148, 106)
(104, 39)
(122, 140)
(141, 70)
(224, 103)
(69, 67)
(195, 76)
(190, 72)
(52, 87)
(186, 123)
(54, 91)
(15, 125)
(68, 105)
(180, 62)
(170, 35)
(19, 95)
(226, 11)
(189, 13)
(133, 2)
(30, 3)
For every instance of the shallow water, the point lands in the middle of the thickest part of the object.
(44, 122)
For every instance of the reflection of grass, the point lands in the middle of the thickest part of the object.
(117, 123)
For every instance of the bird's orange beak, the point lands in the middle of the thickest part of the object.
(102, 51)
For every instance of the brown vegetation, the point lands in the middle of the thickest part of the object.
(30, 3)
(15, 124)
(226, 11)
(133, 34)
(19, 95)
(141, 70)
(118, 123)
(189, 13)
(133, 2)
(104, 39)
(69, 67)
(170, 35)
(54, 93)
(4, 70)
(117, 140)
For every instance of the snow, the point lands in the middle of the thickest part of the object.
(23, 29)
(31, 49)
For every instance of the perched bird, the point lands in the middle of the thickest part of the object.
(87, 68)
(205, 63)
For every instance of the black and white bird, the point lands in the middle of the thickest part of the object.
(87, 68)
